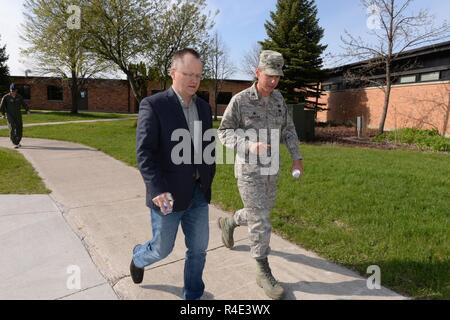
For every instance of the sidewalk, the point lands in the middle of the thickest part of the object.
(102, 201)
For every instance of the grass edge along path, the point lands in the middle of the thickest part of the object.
(17, 176)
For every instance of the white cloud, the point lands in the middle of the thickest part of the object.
(9, 32)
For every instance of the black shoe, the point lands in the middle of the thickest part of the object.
(137, 274)
(17, 146)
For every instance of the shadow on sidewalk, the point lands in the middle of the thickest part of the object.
(305, 260)
(345, 288)
(176, 291)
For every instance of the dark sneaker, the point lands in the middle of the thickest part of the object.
(137, 274)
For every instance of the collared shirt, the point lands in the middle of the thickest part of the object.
(190, 112)
(191, 115)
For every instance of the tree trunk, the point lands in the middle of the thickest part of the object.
(215, 100)
(134, 87)
(387, 96)
(389, 58)
(75, 92)
(446, 117)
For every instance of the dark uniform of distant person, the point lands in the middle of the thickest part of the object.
(11, 108)
(260, 109)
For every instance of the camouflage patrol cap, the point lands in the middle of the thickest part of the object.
(271, 63)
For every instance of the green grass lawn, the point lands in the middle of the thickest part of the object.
(17, 176)
(357, 207)
(40, 116)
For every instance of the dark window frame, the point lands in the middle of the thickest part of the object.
(434, 80)
(24, 90)
(224, 97)
(204, 95)
(55, 93)
(445, 75)
(416, 78)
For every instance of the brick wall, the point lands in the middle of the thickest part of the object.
(228, 86)
(39, 98)
(109, 95)
(422, 106)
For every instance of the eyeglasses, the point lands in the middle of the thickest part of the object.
(192, 75)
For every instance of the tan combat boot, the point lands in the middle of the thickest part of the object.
(265, 280)
(227, 225)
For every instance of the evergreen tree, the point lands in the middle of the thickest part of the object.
(4, 71)
(294, 31)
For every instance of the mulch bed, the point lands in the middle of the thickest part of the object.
(347, 136)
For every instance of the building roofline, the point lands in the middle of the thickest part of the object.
(433, 48)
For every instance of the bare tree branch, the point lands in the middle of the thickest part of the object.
(250, 61)
(399, 30)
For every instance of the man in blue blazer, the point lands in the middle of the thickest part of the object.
(178, 178)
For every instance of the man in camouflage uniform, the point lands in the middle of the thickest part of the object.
(259, 107)
(10, 106)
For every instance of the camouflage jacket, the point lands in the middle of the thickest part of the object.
(247, 110)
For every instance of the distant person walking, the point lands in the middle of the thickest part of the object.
(11, 108)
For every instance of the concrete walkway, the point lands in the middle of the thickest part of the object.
(96, 214)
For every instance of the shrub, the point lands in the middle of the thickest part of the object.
(424, 139)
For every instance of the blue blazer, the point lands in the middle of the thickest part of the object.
(159, 116)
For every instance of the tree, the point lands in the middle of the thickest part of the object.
(219, 67)
(57, 48)
(395, 29)
(294, 31)
(142, 74)
(4, 70)
(182, 25)
(251, 60)
(121, 32)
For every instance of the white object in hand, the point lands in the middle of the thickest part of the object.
(296, 173)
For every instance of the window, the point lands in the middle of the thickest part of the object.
(326, 87)
(445, 75)
(337, 86)
(204, 95)
(432, 76)
(408, 79)
(24, 91)
(224, 97)
(55, 93)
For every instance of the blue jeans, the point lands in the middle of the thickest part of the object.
(195, 225)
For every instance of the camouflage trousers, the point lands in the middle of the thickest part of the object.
(258, 194)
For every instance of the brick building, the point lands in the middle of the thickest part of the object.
(420, 96)
(107, 95)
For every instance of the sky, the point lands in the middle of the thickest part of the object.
(240, 23)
